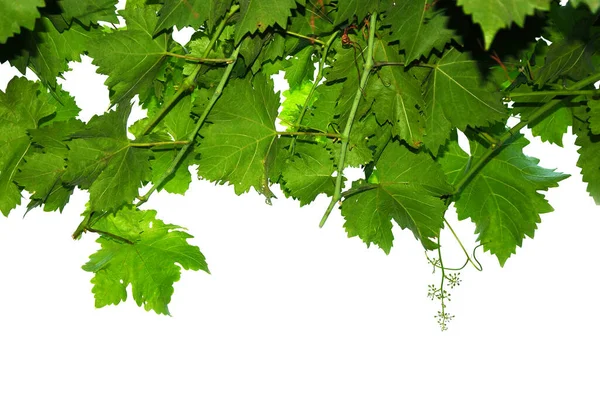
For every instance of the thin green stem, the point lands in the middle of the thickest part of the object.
(200, 60)
(318, 79)
(311, 39)
(110, 235)
(469, 260)
(153, 144)
(368, 66)
(358, 189)
(193, 134)
(554, 93)
(313, 133)
(389, 63)
(549, 106)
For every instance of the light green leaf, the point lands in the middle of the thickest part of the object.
(16, 14)
(494, 15)
(589, 153)
(144, 252)
(235, 146)
(503, 198)
(301, 67)
(594, 5)
(458, 96)
(419, 27)
(594, 110)
(89, 11)
(409, 191)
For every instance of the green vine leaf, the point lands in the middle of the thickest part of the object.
(102, 160)
(494, 15)
(258, 16)
(502, 199)
(22, 106)
(567, 58)
(419, 27)
(235, 146)
(140, 250)
(457, 95)
(16, 15)
(594, 5)
(589, 152)
(89, 12)
(409, 191)
(131, 58)
(194, 13)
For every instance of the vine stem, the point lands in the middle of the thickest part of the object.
(390, 63)
(469, 260)
(311, 39)
(326, 47)
(193, 134)
(153, 144)
(201, 60)
(554, 93)
(368, 66)
(510, 133)
(313, 133)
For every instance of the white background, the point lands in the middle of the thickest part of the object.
(291, 310)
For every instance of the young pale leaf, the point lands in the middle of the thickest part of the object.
(131, 58)
(419, 27)
(494, 15)
(21, 108)
(457, 96)
(502, 199)
(139, 250)
(409, 191)
(17, 14)
(259, 15)
(235, 146)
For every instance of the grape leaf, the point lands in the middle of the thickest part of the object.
(102, 159)
(17, 14)
(131, 58)
(494, 15)
(259, 15)
(419, 27)
(457, 96)
(409, 190)
(502, 199)
(567, 58)
(236, 144)
(22, 106)
(194, 13)
(45, 164)
(140, 250)
(397, 97)
(347, 9)
(589, 152)
(89, 11)
(301, 67)
(594, 5)
(309, 173)
(594, 110)
(53, 50)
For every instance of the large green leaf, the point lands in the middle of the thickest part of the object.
(89, 11)
(593, 4)
(102, 160)
(235, 146)
(503, 198)
(567, 58)
(140, 250)
(419, 27)
(409, 191)
(494, 15)
(22, 106)
(458, 96)
(16, 14)
(259, 15)
(589, 152)
(131, 58)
